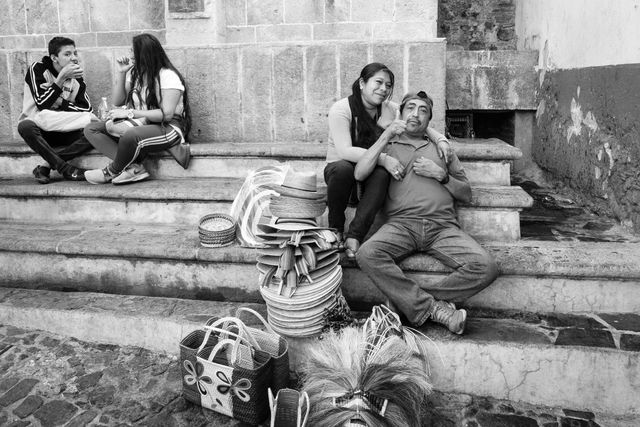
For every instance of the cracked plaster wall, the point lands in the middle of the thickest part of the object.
(587, 130)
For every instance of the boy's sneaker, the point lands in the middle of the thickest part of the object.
(133, 173)
(98, 176)
(42, 174)
(71, 173)
(445, 313)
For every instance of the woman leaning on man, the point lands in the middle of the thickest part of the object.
(156, 118)
(355, 124)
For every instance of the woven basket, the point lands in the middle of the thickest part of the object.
(217, 230)
(293, 207)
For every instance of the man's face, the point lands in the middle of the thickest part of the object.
(67, 55)
(417, 114)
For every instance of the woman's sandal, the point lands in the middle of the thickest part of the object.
(351, 246)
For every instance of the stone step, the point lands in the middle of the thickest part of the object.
(585, 363)
(492, 213)
(486, 161)
(167, 261)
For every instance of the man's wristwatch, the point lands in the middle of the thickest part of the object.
(130, 113)
(445, 179)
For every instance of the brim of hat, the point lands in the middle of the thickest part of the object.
(265, 263)
(300, 194)
(270, 255)
(289, 224)
(306, 296)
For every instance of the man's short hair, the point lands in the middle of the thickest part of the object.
(418, 95)
(57, 43)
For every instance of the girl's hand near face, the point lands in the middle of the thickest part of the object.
(124, 64)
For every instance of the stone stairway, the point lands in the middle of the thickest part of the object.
(558, 328)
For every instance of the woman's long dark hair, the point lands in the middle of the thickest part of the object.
(150, 58)
(364, 130)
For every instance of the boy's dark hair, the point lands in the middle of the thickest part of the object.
(57, 43)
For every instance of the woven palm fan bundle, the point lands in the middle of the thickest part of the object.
(368, 376)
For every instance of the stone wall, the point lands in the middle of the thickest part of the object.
(261, 93)
(29, 24)
(477, 25)
(266, 21)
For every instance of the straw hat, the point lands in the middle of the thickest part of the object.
(295, 207)
(302, 185)
(274, 224)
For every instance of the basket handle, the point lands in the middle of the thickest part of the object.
(212, 326)
(223, 343)
(225, 322)
(264, 322)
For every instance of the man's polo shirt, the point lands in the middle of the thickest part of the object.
(419, 197)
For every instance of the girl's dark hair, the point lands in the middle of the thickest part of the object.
(364, 130)
(150, 58)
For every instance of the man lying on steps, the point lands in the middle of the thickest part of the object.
(421, 217)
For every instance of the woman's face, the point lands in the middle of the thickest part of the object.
(376, 89)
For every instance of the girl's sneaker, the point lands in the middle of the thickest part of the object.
(98, 176)
(133, 173)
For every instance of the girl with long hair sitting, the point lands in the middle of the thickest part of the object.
(355, 124)
(157, 109)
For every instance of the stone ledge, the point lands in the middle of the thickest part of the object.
(615, 261)
(506, 359)
(210, 189)
(489, 149)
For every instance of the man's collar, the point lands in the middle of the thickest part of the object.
(414, 141)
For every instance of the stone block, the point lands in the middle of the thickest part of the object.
(337, 10)
(322, 89)
(425, 11)
(42, 16)
(109, 16)
(392, 55)
(17, 392)
(260, 12)
(406, 31)
(256, 94)
(585, 337)
(83, 419)
(23, 42)
(186, 6)
(342, 31)
(192, 32)
(226, 90)
(281, 33)
(236, 12)
(55, 412)
(98, 71)
(492, 80)
(82, 40)
(288, 97)
(630, 342)
(147, 14)
(28, 406)
(6, 127)
(123, 38)
(18, 65)
(623, 322)
(352, 58)
(196, 67)
(74, 16)
(371, 11)
(303, 12)
(427, 72)
(12, 20)
(240, 35)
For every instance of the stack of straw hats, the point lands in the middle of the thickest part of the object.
(300, 274)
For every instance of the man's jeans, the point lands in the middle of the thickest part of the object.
(56, 148)
(474, 268)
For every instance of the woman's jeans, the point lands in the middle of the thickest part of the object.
(340, 184)
(473, 267)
